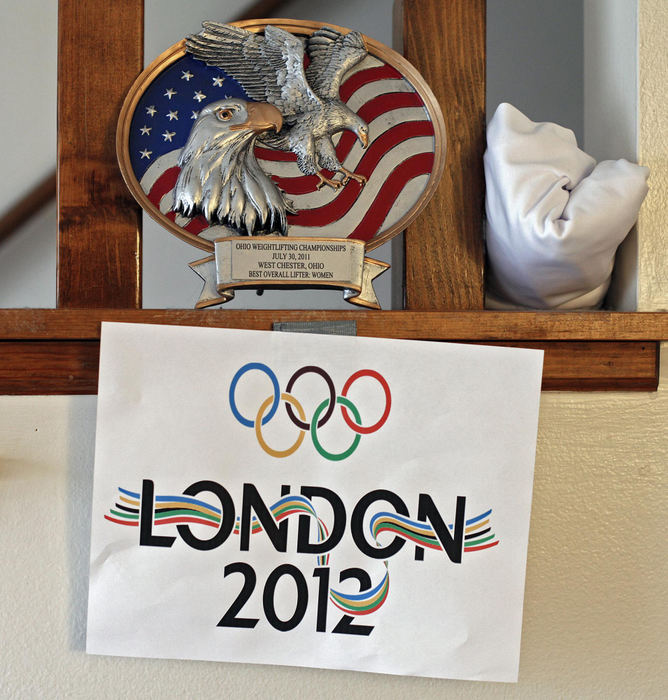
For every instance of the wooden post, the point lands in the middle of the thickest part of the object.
(100, 53)
(445, 41)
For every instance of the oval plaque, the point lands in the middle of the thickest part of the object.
(360, 165)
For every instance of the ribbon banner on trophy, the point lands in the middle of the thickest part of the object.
(332, 502)
(240, 262)
(283, 130)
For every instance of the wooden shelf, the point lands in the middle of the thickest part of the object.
(474, 326)
(56, 351)
(99, 274)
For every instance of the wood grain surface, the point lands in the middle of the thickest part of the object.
(600, 326)
(100, 50)
(71, 366)
(445, 40)
(49, 367)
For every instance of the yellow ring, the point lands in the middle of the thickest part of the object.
(258, 426)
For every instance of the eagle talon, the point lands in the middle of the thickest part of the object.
(327, 181)
(348, 175)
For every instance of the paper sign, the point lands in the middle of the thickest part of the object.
(334, 502)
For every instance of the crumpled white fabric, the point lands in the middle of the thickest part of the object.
(554, 217)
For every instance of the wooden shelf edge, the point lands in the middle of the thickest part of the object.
(474, 326)
(56, 351)
(70, 366)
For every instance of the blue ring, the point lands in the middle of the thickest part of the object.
(233, 386)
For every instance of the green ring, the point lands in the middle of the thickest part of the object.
(314, 435)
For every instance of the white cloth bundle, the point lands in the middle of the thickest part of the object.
(554, 217)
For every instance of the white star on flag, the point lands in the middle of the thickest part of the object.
(170, 93)
(186, 75)
(173, 115)
(168, 135)
(199, 96)
(146, 153)
(151, 110)
(218, 82)
(145, 130)
(194, 115)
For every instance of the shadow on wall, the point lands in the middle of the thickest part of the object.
(80, 458)
(28, 263)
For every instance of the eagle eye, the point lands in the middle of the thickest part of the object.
(224, 114)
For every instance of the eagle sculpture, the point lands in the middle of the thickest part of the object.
(270, 68)
(220, 177)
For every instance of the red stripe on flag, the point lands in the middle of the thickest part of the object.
(386, 103)
(275, 155)
(420, 164)
(380, 146)
(196, 225)
(364, 77)
(164, 184)
(371, 110)
(348, 138)
(389, 140)
(297, 185)
(331, 212)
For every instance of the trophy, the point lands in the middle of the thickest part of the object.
(285, 149)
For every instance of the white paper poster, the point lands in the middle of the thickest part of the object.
(335, 502)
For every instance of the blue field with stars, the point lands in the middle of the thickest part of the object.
(165, 112)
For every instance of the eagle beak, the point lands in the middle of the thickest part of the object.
(364, 140)
(262, 117)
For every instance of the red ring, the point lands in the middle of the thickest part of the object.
(388, 401)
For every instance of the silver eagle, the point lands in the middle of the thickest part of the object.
(270, 68)
(220, 177)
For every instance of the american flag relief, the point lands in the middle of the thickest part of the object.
(285, 149)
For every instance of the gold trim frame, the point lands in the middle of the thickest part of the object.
(375, 48)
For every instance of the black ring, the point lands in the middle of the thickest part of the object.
(332, 396)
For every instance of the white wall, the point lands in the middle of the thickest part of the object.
(28, 87)
(611, 78)
(28, 263)
(611, 111)
(535, 59)
(28, 47)
(653, 152)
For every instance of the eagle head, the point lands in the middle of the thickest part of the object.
(220, 177)
(361, 129)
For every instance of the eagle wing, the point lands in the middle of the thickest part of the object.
(332, 55)
(269, 67)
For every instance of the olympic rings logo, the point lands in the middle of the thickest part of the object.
(321, 415)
